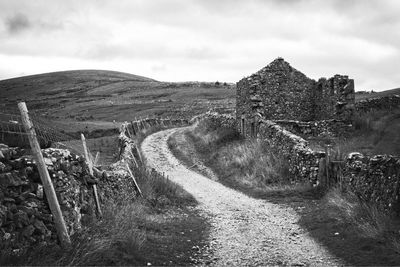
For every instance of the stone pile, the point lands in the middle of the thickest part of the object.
(374, 179)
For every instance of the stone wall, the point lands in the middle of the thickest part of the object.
(25, 217)
(280, 92)
(386, 102)
(222, 120)
(374, 179)
(323, 128)
(303, 161)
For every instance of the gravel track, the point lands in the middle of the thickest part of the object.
(245, 231)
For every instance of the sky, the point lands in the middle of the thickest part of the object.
(203, 40)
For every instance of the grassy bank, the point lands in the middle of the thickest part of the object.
(357, 233)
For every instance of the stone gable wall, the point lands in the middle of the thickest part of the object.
(280, 92)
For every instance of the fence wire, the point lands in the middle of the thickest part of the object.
(12, 133)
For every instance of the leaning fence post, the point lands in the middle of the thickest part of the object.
(45, 177)
(90, 166)
(96, 159)
(134, 180)
(138, 152)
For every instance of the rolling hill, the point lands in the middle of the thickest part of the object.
(93, 99)
(363, 96)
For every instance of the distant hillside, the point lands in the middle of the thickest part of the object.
(365, 95)
(63, 83)
(95, 98)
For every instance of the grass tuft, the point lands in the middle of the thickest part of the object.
(370, 221)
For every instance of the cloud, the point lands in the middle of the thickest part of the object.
(17, 23)
(205, 39)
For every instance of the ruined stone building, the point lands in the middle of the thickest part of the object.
(280, 92)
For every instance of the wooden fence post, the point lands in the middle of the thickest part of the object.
(133, 129)
(96, 159)
(45, 177)
(128, 131)
(134, 180)
(90, 166)
(138, 152)
(133, 158)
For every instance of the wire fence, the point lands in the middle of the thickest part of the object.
(49, 134)
(103, 149)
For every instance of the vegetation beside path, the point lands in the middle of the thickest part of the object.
(161, 228)
(351, 230)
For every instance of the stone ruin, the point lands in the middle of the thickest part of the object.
(280, 92)
(279, 103)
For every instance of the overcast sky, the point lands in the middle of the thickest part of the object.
(204, 40)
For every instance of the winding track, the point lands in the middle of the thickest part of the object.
(245, 231)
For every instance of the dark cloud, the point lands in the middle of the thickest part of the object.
(20, 22)
(17, 23)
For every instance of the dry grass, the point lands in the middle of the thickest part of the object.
(357, 232)
(248, 162)
(370, 221)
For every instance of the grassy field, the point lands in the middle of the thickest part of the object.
(351, 230)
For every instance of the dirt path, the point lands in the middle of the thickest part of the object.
(245, 231)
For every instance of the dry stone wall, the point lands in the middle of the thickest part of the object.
(386, 102)
(222, 120)
(25, 217)
(323, 128)
(374, 179)
(303, 161)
